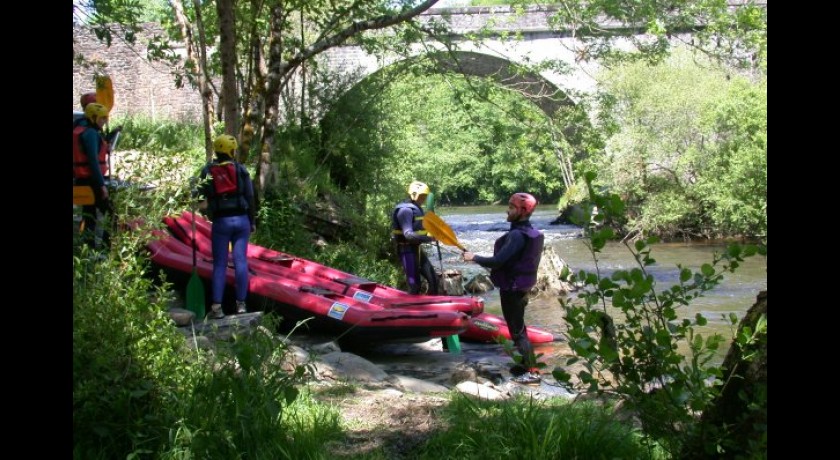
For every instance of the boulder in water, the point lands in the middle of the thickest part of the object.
(549, 281)
(451, 282)
(479, 284)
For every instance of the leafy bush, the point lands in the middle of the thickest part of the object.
(637, 357)
(689, 152)
(126, 357)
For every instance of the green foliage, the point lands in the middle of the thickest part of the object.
(636, 357)
(527, 428)
(472, 141)
(102, 16)
(734, 34)
(735, 179)
(280, 226)
(126, 364)
(689, 155)
(139, 391)
(246, 404)
(159, 135)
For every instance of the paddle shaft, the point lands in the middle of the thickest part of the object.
(430, 203)
(195, 288)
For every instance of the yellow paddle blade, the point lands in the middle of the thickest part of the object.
(82, 195)
(105, 91)
(436, 227)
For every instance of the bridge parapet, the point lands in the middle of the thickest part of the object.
(504, 18)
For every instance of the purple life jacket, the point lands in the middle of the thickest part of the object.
(521, 273)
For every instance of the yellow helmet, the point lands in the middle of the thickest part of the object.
(416, 189)
(95, 110)
(225, 144)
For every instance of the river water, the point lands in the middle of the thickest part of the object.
(477, 228)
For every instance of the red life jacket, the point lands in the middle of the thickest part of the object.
(81, 167)
(226, 193)
(224, 178)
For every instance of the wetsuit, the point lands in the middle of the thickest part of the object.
(408, 233)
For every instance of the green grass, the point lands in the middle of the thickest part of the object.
(531, 429)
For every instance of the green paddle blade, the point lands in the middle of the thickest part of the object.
(195, 296)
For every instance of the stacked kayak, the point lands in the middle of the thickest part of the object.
(357, 309)
(332, 312)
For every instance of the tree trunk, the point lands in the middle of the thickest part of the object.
(266, 169)
(204, 82)
(227, 50)
(278, 70)
(255, 98)
(737, 419)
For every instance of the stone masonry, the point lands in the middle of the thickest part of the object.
(140, 86)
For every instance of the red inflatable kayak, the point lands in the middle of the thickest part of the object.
(306, 274)
(487, 327)
(328, 311)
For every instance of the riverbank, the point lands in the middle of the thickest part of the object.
(389, 396)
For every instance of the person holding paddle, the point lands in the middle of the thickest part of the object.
(513, 269)
(229, 201)
(90, 168)
(408, 233)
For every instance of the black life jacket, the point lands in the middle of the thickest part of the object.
(416, 224)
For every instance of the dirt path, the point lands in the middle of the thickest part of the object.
(386, 420)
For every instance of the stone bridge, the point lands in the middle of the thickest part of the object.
(509, 40)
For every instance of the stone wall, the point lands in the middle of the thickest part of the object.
(140, 86)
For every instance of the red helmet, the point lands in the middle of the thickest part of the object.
(524, 202)
(87, 98)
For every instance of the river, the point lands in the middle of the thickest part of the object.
(477, 228)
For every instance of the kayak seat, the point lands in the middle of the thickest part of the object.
(361, 283)
(285, 261)
(317, 290)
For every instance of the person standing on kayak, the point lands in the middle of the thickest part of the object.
(229, 202)
(408, 234)
(513, 269)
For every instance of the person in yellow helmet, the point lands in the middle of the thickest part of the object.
(229, 197)
(110, 136)
(408, 233)
(90, 168)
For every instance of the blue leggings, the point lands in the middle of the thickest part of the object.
(235, 229)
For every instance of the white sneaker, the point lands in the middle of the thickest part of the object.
(241, 308)
(528, 378)
(215, 312)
